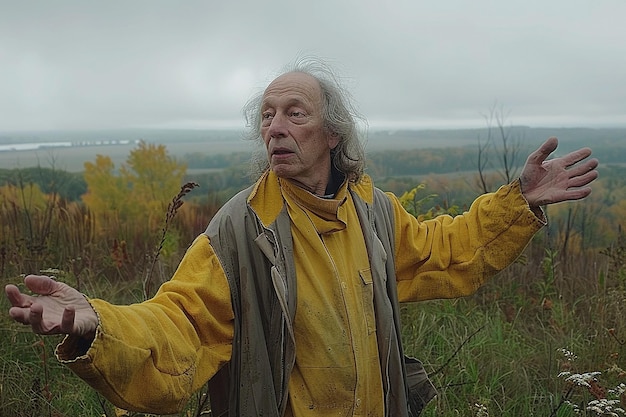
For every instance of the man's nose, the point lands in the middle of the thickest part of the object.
(278, 126)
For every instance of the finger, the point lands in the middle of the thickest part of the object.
(582, 169)
(67, 321)
(563, 195)
(544, 151)
(576, 156)
(19, 314)
(582, 180)
(576, 193)
(41, 284)
(35, 318)
(16, 298)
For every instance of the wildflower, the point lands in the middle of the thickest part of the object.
(581, 380)
(570, 356)
(618, 390)
(606, 407)
(481, 410)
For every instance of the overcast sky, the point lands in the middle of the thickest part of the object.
(154, 63)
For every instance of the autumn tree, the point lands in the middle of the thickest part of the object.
(139, 191)
(106, 195)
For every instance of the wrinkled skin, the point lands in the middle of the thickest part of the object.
(560, 179)
(298, 145)
(57, 308)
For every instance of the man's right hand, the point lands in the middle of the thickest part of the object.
(56, 308)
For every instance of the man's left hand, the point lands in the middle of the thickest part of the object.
(546, 181)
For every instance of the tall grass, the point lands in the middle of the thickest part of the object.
(40, 234)
(511, 336)
(499, 352)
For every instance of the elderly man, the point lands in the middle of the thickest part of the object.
(288, 302)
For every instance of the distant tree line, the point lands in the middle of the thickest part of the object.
(201, 160)
(225, 174)
(421, 161)
(67, 185)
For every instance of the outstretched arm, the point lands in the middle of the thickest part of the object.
(176, 340)
(56, 308)
(546, 181)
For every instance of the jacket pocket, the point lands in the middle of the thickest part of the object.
(367, 291)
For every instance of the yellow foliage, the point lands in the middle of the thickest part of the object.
(409, 202)
(137, 193)
(28, 196)
(421, 207)
(106, 191)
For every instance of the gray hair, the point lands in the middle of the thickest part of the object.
(338, 112)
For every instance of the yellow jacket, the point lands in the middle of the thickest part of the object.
(152, 356)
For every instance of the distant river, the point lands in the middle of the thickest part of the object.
(33, 146)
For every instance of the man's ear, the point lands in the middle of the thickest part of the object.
(333, 140)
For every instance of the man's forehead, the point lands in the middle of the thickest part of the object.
(294, 83)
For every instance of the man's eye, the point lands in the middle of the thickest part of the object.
(297, 114)
(266, 119)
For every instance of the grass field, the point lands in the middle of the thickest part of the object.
(500, 352)
(546, 337)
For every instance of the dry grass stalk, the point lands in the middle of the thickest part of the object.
(172, 209)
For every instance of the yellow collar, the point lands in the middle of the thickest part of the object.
(267, 200)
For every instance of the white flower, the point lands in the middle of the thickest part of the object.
(571, 357)
(606, 407)
(618, 390)
(581, 380)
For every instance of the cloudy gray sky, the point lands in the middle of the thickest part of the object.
(440, 63)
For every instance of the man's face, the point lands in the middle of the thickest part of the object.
(298, 145)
